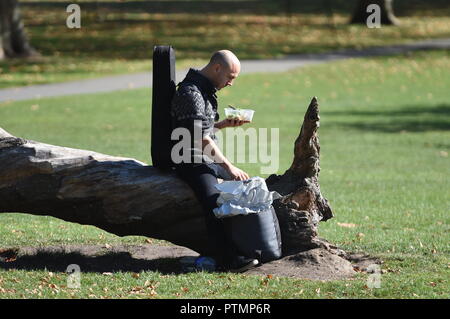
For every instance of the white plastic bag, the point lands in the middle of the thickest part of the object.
(243, 197)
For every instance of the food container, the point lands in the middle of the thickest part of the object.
(241, 114)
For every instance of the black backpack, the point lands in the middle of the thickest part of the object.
(257, 235)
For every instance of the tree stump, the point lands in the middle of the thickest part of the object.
(126, 197)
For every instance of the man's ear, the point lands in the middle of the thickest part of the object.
(217, 68)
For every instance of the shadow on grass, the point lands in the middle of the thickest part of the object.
(206, 6)
(243, 6)
(408, 119)
(110, 262)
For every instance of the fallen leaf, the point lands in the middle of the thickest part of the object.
(9, 260)
(9, 255)
(264, 281)
(347, 225)
(136, 289)
(153, 292)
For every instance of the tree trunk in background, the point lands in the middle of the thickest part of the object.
(13, 40)
(360, 14)
(287, 7)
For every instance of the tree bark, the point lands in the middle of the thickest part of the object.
(387, 17)
(13, 40)
(126, 197)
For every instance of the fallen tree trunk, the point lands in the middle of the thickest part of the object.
(126, 197)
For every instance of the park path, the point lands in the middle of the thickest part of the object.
(144, 79)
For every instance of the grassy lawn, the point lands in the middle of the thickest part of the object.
(385, 131)
(114, 42)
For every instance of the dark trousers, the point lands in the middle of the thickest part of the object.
(202, 178)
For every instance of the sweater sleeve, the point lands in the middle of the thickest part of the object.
(188, 110)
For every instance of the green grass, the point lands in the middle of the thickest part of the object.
(384, 135)
(113, 42)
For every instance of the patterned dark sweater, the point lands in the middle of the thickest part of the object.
(194, 106)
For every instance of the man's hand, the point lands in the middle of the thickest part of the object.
(230, 123)
(213, 151)
(236, 173)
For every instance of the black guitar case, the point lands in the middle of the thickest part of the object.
(163, 91)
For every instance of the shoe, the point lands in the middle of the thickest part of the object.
(241, 264)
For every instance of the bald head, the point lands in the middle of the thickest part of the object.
(225, 58)
(222, 68)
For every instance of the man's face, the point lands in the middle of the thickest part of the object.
(225, 75)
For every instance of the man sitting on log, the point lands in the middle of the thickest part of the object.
(194, 107)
